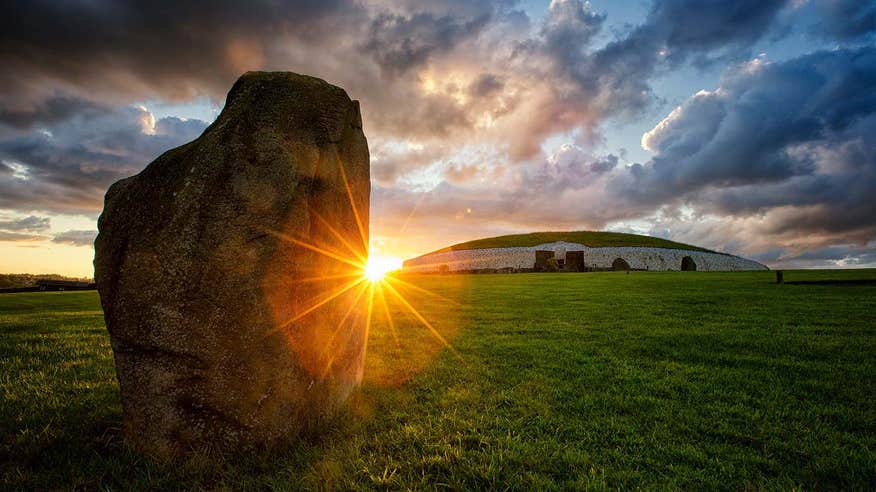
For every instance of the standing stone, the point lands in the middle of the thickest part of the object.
(208, 275)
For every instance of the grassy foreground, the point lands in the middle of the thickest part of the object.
(561, 381)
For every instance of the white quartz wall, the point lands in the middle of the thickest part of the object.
(638, 258)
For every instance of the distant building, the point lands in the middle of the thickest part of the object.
(61, 285)
(566, 256)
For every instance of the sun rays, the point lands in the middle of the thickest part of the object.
(347, 273)
(377, 267)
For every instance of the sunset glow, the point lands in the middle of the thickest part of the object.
(378, 266)
(408, 244)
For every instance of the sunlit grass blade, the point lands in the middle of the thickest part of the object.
(422, 320)
(388, 314)
(391, 278)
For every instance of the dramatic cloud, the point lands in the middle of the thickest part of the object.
(23, 229)
(431, 55)
(399, 43)
(845, 19)
(53, 110)
(66, 165)
(75, 238)
(614, 79)
(30, 223)
(566, 189)
(176, 50)
(788, 145)
(777, 161)
(480, 118)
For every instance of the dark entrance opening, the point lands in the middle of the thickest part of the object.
(574, 261)
(541, 260)
(688, 265)
(620, 264)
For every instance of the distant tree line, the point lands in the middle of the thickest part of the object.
(17, 280)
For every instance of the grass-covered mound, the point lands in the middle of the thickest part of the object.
(593, 239)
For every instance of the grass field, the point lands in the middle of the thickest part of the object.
(560, 381)
(593, 239)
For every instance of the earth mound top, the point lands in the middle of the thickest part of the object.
(593, 239)
(574, 251)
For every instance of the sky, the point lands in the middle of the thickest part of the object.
(745, 127)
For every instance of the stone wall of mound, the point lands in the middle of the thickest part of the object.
(598, 258)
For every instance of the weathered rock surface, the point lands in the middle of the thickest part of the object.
(202, 272)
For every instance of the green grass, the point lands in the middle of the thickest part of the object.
(654, 380)
(593, 239)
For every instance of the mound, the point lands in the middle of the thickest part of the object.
(574, 251)
(592, 239)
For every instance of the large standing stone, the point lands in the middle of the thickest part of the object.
(207, 285)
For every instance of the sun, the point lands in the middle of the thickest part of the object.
(378, 266)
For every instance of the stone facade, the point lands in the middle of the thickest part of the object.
(523, 258)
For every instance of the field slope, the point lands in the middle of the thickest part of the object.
(593, 239)
(652, 380)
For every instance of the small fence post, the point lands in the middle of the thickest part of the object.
(780, 278)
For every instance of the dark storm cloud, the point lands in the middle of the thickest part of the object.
(685, 28)
(76, 238)
(746, 131)
(67, 165)
(167, 48)
(777, 161)
(850, 255)
(845, 19)
(485, 84)
(71, 68)
(781, 151)
(124, 51)
(845, 256)
(49, 111)
(674, 32)
(569, 29)
(791, 141)
(592, 84)
(399, 43)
